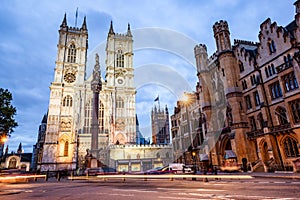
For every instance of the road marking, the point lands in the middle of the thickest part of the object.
(211, 190)
(295, 182)
(181, 198)
(127, 190)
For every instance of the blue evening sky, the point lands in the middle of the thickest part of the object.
(164, 33)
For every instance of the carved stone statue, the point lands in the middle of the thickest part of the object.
(96, 71)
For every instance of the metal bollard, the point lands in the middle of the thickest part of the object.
(47, 175)
(205, 178)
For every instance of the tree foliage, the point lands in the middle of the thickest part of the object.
(7, 113)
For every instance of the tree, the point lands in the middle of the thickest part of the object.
(7, 113)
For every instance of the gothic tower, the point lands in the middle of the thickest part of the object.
(120, 86)
(160, 126)
(61, 136)
(229, 68)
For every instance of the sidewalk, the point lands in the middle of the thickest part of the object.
(276, 174)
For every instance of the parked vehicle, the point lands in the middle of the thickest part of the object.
(93, 171)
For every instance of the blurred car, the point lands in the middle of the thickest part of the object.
(93, 171)
(154, 170)
(161, 170)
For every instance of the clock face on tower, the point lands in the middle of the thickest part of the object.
(69, 77)
(120, 81)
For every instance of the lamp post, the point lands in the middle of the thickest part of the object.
(187, 100)
(3, 139)
(194, 163)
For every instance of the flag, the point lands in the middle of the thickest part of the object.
(157, 98)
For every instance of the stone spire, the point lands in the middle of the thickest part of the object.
(19, 148)
(129, 31)
(83, 27)
(64, 22)
(111, 29)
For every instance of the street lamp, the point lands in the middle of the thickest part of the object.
(3, 139)
(187, 99)
(194, 164)
(194, 161)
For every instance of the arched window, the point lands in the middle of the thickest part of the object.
(281, 115)
(120, 59)
(157, 155)
(87, 117)
(252, 123)
(273, 69)
(295, 108)
(290, 60)
(167, 155)
(101, 116)
(290, 82)
(260, 120)
(241, 65)
(67, 102)
(290, 147)
(72, 53)
(267, 72)
(120, 103)
(272, 46)
(285, 59)
(12, 163)
(66, 148)
(270, 70)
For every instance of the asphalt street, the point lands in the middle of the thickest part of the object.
(260, 187)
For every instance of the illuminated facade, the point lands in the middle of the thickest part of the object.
(68, 132)
(248, 100)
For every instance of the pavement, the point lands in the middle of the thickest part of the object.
(278, 174)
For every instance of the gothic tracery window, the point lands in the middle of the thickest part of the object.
(275, 90)
(120, 103)
(295, 108)
(260, 120)
(290, 147)
(87, 117)
(72, 53)
(281, 115)
(290, 82)
(120, 58)
(101, 116)
(67, 101)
